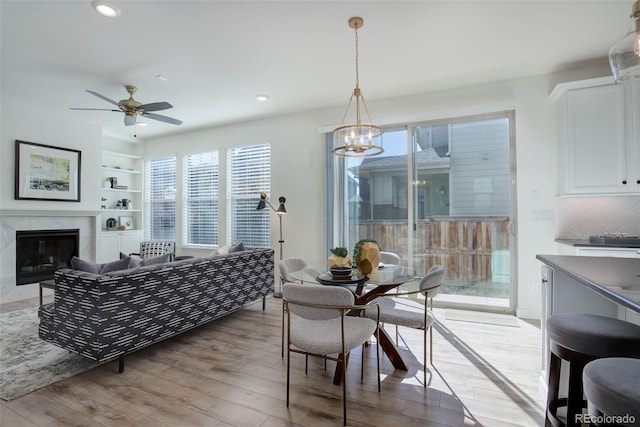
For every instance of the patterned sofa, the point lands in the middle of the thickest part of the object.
(104, 317)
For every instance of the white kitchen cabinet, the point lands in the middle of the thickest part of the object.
(600, 134)
(114, 242)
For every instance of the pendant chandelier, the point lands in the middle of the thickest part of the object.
(624, 56)
(356, 140)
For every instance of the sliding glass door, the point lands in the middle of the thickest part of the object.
(441, 193)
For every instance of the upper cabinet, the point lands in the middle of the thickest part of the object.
(600, 139)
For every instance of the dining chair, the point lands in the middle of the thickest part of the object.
(321, 327)
(390, 258)
(286, 267)
(401, 311)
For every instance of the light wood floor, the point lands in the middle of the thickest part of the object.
(230, 373)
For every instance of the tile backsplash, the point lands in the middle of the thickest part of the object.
(581, 217)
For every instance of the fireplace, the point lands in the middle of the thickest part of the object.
(39, 253)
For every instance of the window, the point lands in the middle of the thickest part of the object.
(200, 199)
(160, 199)
(249, 173)
(440, 193)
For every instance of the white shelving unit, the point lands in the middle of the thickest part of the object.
(126, 169)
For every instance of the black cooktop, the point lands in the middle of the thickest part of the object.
(615, 239)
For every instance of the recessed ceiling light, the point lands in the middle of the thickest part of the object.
(105, 9)
(262, 97)
(161, 77)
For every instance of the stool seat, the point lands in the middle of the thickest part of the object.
(579, 339)
(595, 336)
(612, 386)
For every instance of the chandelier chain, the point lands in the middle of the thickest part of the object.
(357, 74)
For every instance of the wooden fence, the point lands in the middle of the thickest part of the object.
(471, 249)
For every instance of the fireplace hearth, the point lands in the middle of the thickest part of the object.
(39, 253)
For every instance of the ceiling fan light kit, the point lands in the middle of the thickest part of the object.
(105, 9)
(133, 109)
(357, 139)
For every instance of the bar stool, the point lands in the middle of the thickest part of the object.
(612, 388)
(579, 339)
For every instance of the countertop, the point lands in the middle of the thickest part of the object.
(617, 279)
(586, 243)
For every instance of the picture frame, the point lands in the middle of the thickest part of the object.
(126, 222)
(45, 172)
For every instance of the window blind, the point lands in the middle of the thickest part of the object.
(160, 199)
(248, 174)
(200, 199)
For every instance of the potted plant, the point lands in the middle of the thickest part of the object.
(339, 258)
(366, 255)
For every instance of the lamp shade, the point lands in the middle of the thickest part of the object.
(624, 56)
(281, 209)
(263, 202)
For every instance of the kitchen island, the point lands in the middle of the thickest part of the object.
(605, 286)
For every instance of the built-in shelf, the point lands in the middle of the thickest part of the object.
(121, 210)
(118, 154)
(106, 168)
(119, 190)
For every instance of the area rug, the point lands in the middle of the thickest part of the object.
(28, 363)
(482, 317)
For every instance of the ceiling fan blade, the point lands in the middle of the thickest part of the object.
(162, 118)
(96, 109)
(129, 120)
(103, 97)
(156, 106)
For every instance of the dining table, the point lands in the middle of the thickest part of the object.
(365, 289)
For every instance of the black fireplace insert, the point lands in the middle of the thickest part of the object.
(39, 253)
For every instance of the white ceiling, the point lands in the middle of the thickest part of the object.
(218, 55)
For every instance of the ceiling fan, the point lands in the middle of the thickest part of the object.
(132, 108)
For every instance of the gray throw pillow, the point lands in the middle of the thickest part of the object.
(121, 264)
(156, 260)
(238, 247)
(92, 267)
(83, 265)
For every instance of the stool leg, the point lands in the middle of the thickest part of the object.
(553, 386)
(575, 399)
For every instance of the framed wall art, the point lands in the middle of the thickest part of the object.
(126, 222)
(45, 172)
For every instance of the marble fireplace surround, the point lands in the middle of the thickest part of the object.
(17, 220)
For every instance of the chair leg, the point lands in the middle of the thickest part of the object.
(288, 369)
(397, 335)
(552, 388)
(378, 355)
(424, 357)
(344, 388)
(306, 364)
(431, 344)
(362, 364)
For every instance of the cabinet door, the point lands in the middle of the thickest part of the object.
(633, 135)
(130, 241)
(109, 247)
(596, 140)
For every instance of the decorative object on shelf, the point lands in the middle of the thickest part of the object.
(366, 255)
(280, 212)
(125, 204)
(45, 172)
(107, 183)
(624, 56)
(126, 222)
(339, 258)
(356, 140)
(111, 224)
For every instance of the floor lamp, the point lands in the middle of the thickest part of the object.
(280, 212)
